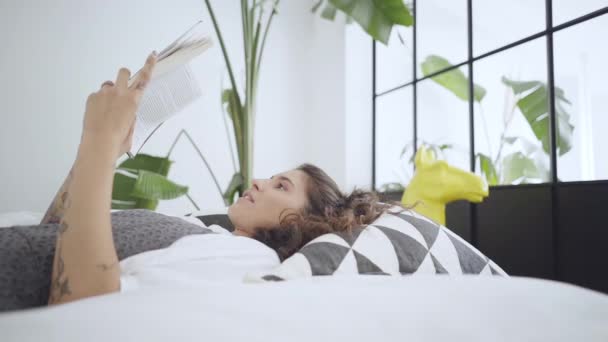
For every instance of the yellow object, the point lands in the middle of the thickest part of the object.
(436, 183)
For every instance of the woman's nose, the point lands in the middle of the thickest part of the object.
(256, 184)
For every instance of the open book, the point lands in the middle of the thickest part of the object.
(172, 86)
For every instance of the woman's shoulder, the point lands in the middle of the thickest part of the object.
(216, 228)
(211, 217)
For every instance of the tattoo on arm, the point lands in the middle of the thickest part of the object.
(106, 267)
(56, 210)
(60, 285)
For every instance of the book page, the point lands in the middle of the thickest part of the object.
(172, 86)
(164, 98)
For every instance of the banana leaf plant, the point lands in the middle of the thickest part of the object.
(376, 17)
(239, 102)
(531, 98)
(141, 181)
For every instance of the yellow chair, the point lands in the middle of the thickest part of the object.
(436, 184)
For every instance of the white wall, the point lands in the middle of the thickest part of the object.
(358, 107)
(55, 53)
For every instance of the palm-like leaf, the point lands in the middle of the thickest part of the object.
(152, 186)
(488, 169)
(376, 17)
(533, 103)
(147, 162)
(453, 80)
(141, 182)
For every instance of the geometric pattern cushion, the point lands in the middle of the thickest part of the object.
(400, 242)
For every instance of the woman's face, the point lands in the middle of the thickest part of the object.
(262, 204)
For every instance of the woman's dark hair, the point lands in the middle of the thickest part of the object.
(328, 210)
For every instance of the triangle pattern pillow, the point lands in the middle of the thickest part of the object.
(400, 242)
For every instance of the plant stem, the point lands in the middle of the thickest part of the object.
(224, 51)
(229, 137)
(502, 136)
(192, 201)
(183, 132)
(245, 25)
(272, 13)
(485, 127)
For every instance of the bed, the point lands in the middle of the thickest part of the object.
(355, 307)
(347, 308)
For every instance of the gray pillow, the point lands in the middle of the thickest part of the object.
(26, 252)
(399, 242)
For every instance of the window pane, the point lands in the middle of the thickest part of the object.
(394, 61)
(394, 130)
(511, 120)
(580, 70)
(493, 24)
(441, 30)
(566, 10)
(443, 119)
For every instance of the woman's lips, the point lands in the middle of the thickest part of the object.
(247, 196)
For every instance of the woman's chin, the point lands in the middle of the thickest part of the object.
(243, 201)
(238, 206)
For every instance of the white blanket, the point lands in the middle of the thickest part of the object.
(353, 308)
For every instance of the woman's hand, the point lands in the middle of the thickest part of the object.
(109, 118)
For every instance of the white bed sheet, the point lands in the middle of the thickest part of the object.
(345, 308)
(20, 218)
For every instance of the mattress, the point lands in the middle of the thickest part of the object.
(345, 308)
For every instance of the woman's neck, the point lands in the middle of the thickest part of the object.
(241, 232)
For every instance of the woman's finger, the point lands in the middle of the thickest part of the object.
(123, 77)
(145, 74)
(107, 84)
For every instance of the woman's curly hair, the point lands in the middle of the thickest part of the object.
(328, 210)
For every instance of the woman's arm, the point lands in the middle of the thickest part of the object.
(85, 262)
(56, 210)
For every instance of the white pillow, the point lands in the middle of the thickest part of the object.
(399, 242)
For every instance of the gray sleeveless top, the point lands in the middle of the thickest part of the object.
(26, 252)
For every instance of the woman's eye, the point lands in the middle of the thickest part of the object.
(281, 186)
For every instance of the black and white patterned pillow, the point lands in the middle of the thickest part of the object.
(397, 243)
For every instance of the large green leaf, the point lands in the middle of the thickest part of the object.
(236, 114)
(123, 187)
(132, 182)
(488, 169)
(527, 146)
(516, 166)
(122, 193)
(122, 190)
(533, 103)
(147, 162)
(152, 186)
(376, 17)
(122, 205)
(453, 80)
(535, 153)
(329, 12)
(146, 204)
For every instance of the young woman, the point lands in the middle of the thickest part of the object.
(283, 212)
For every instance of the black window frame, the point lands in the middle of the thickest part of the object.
(548, 33)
